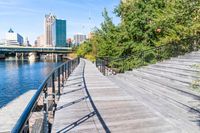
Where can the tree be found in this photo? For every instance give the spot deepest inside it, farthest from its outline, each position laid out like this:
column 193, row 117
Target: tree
column 146, row 24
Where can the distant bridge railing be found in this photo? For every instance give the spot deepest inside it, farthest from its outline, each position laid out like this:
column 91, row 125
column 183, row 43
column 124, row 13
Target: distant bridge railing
column 112, row 66
column 39, row 113
column 4, row 48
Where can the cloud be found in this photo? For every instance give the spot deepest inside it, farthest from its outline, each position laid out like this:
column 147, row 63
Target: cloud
column 80, row 24
column 81, row 4
column 13, row 7
column 16, row 10
column 7, row 2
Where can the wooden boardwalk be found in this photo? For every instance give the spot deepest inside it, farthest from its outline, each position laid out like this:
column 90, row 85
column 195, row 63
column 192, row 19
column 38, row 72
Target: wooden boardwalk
column 100, row 106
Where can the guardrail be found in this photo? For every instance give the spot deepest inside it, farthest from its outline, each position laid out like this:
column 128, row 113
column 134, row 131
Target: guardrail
column 112, row 66
column 102, row 65
column 35, row 49
column 39, row 113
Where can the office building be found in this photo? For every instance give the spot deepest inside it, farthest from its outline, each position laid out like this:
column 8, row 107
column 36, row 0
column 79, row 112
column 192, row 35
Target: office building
column 69, row 42
column 79, row 38
column 2, row 42
column 27, row 43
column 49, row 20
column 40, row 42
column 13, row 38
column 59, row 33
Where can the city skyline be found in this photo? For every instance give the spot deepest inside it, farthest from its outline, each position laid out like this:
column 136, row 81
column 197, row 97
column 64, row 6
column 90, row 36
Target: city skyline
column 81, row 15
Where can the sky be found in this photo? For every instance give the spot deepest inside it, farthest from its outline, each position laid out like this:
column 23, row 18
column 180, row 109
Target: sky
column 26, row 17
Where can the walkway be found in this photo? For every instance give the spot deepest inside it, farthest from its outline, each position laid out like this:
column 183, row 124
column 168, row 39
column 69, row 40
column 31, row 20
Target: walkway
column 101, row 106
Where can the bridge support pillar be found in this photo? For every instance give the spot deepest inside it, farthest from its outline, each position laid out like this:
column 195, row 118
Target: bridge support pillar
column 20, row 56
column 53, row 57
column 2, row 56
column 33, row 57
column 57, row 57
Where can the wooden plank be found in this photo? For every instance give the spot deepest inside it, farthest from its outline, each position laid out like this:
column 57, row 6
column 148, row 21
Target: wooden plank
column 119, row 111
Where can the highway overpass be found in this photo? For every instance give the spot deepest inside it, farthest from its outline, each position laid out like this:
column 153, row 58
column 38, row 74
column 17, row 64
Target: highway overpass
column 22, row 49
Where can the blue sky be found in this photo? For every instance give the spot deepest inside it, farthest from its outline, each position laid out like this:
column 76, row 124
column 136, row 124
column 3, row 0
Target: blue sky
column 27, row 16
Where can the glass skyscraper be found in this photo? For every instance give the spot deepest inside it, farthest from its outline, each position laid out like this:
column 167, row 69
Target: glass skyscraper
column 59, row 33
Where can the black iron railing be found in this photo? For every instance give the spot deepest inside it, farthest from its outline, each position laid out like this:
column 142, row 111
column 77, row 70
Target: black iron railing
column 112, row 66
column 38, row 115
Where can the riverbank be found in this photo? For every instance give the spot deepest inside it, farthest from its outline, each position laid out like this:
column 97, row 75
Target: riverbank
column 12, row 111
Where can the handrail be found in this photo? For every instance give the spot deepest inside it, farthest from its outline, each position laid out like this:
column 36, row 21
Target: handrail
column 104, row 62
column 63, row 71
column 126, row 56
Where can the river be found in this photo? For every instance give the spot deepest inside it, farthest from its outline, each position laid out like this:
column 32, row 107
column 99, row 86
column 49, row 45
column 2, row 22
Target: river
column 18, row 77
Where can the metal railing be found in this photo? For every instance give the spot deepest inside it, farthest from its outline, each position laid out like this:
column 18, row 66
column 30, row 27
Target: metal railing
column 112, row 66
column 102, row 65
column 39, row 113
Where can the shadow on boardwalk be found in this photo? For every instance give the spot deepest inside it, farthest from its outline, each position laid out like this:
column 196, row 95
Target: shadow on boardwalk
column 77, row 123
column 71, row 103
column 65, row 93
column 91, row 114
column 196, row 112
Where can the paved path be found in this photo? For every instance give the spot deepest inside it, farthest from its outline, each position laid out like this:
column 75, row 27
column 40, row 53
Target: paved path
column 100, row 106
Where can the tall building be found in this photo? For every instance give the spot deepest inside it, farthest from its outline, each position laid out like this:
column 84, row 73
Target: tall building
column 59, row 33
column 27, row 43
column 79, row 38
column 49, row 20
column 69, row 42
column 13, row 38
column 40, row 42
column 2, row 42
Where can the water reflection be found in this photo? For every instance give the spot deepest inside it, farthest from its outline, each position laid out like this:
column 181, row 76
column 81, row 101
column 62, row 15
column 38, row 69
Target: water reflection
column 20, row 76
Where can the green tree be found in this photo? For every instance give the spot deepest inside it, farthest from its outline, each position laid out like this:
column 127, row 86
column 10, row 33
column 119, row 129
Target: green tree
column 146, row 24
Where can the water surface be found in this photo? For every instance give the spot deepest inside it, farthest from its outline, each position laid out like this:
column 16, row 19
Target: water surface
column 18, row 77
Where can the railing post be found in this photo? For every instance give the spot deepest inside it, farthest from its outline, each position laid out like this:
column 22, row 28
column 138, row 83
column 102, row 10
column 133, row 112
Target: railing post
column 104, row 68
column 62, row 76
column 176, row 51
column 65, row 71
column 96, row 62
column 123, row 66
column 143, row 59
column 26, row 128
column 53, row 89
column 45, row 103
column 78, row 60
column 159, row 53
column 73, row 65
column 59, row 81
column 68, row 69
column 101, row 66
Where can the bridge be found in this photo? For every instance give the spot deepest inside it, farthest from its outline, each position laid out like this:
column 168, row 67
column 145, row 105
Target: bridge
column 21, row 49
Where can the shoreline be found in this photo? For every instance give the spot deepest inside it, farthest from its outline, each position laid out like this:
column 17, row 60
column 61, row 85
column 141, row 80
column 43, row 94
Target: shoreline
column 11, row 112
